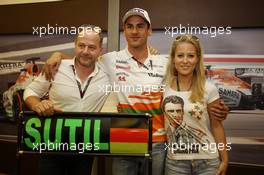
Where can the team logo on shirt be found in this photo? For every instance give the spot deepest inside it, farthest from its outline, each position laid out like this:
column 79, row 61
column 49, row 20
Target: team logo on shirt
column 155, row 75
column 127, row 68
column 155, row 65
column 121, row 62
column 121, row 78
column 122, row 73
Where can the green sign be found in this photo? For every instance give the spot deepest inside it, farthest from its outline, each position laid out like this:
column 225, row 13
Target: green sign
column 66, row 134
column 85, row 133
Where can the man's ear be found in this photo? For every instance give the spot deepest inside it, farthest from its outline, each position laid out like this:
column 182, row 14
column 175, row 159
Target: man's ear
column 101, row 51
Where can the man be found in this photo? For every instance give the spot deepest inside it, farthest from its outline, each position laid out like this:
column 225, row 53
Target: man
column 136, row 67
column 74, row 89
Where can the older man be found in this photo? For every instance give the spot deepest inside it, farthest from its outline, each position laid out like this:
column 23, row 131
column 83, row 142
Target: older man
column 75, row 89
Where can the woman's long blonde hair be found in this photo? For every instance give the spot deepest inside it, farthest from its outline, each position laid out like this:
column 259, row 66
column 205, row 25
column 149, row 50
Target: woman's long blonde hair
column 198, row 81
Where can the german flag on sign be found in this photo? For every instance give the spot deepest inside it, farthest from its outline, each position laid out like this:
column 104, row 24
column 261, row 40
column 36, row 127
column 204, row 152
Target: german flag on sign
column 129, row 140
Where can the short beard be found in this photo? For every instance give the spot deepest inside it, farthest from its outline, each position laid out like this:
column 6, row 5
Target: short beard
column 91, row 64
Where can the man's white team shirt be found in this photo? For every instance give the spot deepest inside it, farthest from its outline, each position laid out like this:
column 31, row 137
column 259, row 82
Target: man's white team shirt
column 64, row 91
column 138, row 87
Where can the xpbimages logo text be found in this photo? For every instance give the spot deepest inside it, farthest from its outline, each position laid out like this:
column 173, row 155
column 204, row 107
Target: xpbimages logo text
column 138, row 88
column 79, row 147
column 62, row 30
column 211, row 31
column 196, row 147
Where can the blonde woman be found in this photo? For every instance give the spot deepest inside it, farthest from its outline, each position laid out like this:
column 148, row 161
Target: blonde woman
column 194, row 147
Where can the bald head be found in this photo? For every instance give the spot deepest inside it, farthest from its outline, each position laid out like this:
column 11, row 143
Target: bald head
column 87, row 30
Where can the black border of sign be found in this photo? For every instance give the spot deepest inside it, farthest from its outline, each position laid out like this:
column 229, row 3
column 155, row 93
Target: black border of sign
column 147, row 116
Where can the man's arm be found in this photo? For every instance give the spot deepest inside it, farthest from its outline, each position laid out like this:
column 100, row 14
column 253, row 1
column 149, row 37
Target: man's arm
column 153, row 50
column 220, row 138
column 218, row 110
column 52, row 65
column 32, row 94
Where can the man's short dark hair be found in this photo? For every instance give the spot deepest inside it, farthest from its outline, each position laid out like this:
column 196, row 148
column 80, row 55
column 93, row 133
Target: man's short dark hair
column 172, row 99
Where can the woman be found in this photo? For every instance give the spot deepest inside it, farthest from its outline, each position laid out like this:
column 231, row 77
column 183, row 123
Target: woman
column 193, row 149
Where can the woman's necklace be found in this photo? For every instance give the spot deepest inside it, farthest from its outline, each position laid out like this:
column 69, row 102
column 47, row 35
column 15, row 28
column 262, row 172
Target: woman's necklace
column 178, row 85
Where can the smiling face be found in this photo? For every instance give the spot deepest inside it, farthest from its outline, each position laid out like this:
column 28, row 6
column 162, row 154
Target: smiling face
column 185, row 59
column 136, row 31
column 87, row 48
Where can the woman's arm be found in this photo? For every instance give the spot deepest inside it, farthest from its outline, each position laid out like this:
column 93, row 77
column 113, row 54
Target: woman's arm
column 220, row 138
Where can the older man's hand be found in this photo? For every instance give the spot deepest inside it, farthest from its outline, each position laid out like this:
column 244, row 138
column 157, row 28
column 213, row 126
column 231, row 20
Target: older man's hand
column 45, row 108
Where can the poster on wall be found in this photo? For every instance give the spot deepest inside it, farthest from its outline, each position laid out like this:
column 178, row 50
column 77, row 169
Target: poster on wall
column 241, row 88
column 7, row 67
column 15, row 75
column 239, row 79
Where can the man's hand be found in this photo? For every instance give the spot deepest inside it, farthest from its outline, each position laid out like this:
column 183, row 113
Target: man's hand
column 52, row 65
column 152, row 50
column 44, row 108
column 219, row 110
